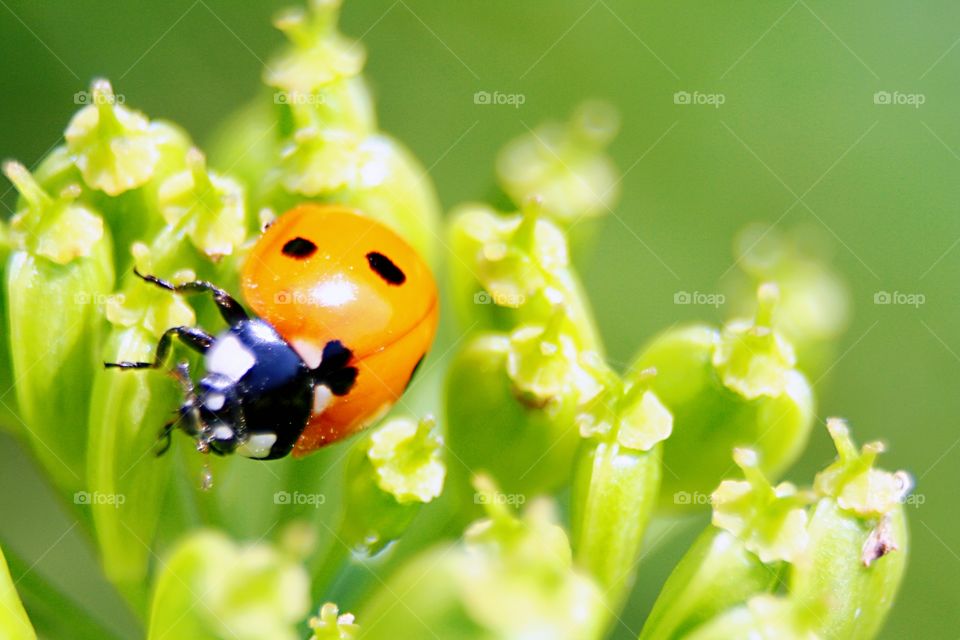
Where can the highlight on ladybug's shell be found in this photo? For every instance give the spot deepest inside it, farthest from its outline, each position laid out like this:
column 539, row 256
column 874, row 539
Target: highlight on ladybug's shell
column 341, row 313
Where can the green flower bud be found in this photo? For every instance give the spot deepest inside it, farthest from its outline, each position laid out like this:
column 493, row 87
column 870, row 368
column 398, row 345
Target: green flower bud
column 763, row 617
column 617, row 480
column 771, row 521
column 128, row 167
column 57, row 278
column 857, row 552
column 517, row 421
column 392, row 473
column 545, row 364
column 247, row 144
column 332, row 625
column 510, row 578
column 374, row 174
column 9, row 419
column 716, row 573
column 14, row 623
column 111, row 145
column 565, row 165
column 212, row 588
column 208, row 206
column 815, row 307
column 756, row 527
column 124, row 433
column 326, row 147
column 320, row 69
column 732, row 388
column 509, row 270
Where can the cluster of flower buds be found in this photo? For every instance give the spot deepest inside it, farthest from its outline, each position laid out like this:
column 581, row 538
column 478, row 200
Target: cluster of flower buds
column 126, row 192
column 392, row 473
column 510, row 577
column 814, row 309
column 315, row 137
column 783, row 562
column 527, row 357
column 210, row 587
column 122, row 191
column 531, row 409
column 565, row 166
column 732, row 387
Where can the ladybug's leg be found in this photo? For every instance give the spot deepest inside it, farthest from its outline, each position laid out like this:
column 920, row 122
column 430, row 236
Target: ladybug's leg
column 197, row 339
column 165, row 438
column 229, row 308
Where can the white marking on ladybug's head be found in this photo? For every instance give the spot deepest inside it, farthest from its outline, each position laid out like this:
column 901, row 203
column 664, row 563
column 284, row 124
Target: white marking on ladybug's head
column 229, row 357
column 321, row 398
column 214, row 401
column 222, row 432
column 257, row 445
column 309, row 351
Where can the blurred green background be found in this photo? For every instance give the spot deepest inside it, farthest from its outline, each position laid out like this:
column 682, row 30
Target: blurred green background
column 798, row 140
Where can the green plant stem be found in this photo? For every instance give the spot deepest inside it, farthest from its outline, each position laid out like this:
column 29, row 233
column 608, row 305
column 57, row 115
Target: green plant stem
column 326, row 569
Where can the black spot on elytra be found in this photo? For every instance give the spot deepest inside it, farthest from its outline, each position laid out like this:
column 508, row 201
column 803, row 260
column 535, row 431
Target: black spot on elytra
column 333, row 370
column 414, row 372
column 385, row 268
column 299, row 248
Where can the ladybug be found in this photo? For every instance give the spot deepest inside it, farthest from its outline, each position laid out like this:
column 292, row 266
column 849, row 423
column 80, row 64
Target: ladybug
column 343, row 312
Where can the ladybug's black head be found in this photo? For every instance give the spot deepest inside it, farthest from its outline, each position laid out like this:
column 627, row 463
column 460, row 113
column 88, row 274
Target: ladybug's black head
column 213, row 413
column 255, row 398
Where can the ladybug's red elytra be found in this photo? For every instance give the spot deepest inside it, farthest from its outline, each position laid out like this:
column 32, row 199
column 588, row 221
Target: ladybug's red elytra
column 344, row 311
